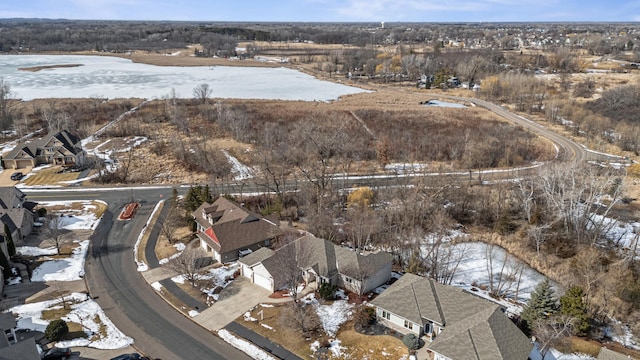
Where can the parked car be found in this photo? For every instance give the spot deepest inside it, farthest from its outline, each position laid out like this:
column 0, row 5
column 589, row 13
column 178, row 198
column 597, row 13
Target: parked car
column 56, row 354
column 133, row 356
column 17, row 176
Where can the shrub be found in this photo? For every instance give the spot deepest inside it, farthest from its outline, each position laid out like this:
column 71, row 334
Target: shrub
column 327, row 291
column 56, row 330
column 365, row 316
column 411, row 341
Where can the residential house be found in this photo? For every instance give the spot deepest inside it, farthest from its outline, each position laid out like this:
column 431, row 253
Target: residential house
column 10, row 347
column 228, row 230
column 16, row 216
column 455, row 324
column 16, row 212
column 61, row 148
column 320, row 262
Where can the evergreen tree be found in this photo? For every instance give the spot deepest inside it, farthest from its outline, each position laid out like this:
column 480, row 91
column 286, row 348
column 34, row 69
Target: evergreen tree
column 196, row 196
column 573, row 303
column 542, row 304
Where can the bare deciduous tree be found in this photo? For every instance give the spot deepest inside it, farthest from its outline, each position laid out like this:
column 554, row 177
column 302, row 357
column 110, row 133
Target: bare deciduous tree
column 54, row 231
column 551, row 332
column 202, row 92
column 170, row 221
column 188, row 264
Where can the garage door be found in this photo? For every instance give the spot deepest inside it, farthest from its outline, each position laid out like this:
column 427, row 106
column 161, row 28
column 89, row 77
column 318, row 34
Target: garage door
column 21, row 164
column 262, row 281
column 246, row 271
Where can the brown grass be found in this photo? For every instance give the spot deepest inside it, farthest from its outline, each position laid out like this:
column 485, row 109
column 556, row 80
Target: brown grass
column 367, row 346
column 358, row 346
column 49, row 176
column 287, row 337
column 164, row 249
column 47, row 67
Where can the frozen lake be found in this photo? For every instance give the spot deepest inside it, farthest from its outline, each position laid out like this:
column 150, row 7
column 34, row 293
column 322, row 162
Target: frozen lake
column 113, row 77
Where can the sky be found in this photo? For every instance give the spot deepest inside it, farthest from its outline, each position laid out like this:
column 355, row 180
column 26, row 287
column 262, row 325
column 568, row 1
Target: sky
column 327, row 10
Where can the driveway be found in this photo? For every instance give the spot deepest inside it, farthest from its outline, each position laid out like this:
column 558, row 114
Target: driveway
column 236, row 299
column 5, row 176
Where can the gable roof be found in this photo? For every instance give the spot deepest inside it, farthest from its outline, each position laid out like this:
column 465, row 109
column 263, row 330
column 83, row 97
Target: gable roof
column 8, row 194
column 420, row 299
column 228, row 226
column 257, row 256
column 487, row 335
column 69, row 142
column 327, row 259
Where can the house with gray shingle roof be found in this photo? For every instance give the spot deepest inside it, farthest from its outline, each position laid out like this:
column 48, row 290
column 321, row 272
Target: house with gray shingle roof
column 61, row 148
column 322, row 262
column 455, row 323
column 16, row 216
column 228, row 230
column 10, row 346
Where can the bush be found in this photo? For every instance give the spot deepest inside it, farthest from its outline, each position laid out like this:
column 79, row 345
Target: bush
column 411, row 341
column 364, row 317
column 327, row 291
column 56, row 330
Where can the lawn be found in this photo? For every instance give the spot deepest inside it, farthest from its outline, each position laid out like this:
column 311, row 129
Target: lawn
column 49, row 175
column 266, row 320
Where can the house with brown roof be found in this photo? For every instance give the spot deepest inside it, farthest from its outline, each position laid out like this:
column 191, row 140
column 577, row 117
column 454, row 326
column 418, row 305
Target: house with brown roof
column 321, row 262
column 229, row 231
column 454, row 323
column 61, row 148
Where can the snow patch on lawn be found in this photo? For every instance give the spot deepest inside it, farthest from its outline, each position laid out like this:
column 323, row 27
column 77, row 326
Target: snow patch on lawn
column 74, row 219
column 244, row 346
column 179, row 247
column 100, row 335
column 36, row 251
column 67, row 269
column 156, row 286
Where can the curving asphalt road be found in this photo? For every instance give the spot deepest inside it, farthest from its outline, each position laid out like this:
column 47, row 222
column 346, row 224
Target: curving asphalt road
column 159, row 330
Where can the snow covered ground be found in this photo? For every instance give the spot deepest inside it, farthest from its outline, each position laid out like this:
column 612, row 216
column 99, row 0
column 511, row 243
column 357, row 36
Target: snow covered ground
column 473, row 268
column 219, row 277
column 65, row 269
column 239, row 170
column 113, row 77
column 75, row 218
column 100, row 333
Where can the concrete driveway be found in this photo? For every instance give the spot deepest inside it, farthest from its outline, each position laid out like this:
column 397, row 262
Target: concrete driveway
column 5, row 176
column 236, row 299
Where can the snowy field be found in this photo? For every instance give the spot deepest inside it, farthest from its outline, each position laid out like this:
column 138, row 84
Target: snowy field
column 473, row 269
column 112, row 77
column 100, row 332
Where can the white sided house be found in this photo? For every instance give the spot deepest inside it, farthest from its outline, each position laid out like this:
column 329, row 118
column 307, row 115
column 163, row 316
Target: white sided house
column 454, row 324
column 320, row 262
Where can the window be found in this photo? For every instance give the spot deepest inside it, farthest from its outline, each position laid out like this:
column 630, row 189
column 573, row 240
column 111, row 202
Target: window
column 386, row 315
column 267, row 242
column 408, row 324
